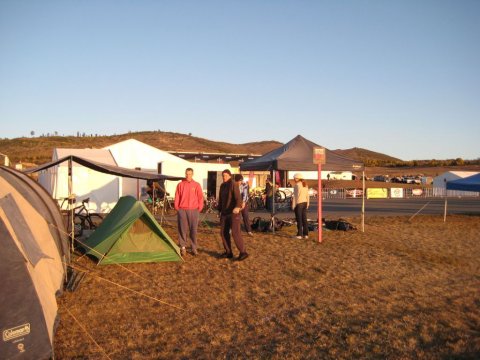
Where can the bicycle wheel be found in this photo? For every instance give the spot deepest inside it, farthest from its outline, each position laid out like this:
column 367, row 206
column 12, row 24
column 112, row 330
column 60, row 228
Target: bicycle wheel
column 79, row 224
column 92, row 221
column 280, row 196
column 212, row 207
column 252, row 204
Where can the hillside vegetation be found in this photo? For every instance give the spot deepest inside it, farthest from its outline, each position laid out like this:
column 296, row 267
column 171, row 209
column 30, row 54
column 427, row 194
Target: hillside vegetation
column 366, row 155
column 38, row 150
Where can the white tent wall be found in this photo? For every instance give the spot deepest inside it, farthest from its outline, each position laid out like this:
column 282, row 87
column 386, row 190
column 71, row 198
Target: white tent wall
column 133, row 154
column 48, row 179
column 102, row 189
column 132, row 187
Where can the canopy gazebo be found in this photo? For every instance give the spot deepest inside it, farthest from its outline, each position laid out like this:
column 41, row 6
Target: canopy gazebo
column 470, row 183
column 297, row 155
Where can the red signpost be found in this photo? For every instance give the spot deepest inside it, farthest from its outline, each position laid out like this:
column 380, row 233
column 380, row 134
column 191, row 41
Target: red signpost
column 319, row 158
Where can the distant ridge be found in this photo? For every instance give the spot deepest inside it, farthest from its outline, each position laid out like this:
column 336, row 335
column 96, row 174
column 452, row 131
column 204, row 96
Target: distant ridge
column 38, row 150
column 366, row 155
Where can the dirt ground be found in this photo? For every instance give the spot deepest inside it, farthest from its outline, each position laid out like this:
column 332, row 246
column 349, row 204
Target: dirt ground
column 400, row 290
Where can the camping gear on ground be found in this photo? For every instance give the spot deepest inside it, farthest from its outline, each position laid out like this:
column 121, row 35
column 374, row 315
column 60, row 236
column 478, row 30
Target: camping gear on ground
column 130, row 234
column 33, row 257
column 339, row 224
column 266, row 225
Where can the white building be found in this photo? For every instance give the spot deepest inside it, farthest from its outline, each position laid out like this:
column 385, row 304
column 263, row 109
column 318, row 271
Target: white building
column 4, row 160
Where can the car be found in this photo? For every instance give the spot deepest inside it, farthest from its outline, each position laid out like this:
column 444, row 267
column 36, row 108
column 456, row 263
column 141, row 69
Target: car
column 409, row 180
column 382, row 178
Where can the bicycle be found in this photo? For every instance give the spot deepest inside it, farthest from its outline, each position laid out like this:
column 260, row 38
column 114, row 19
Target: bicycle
column 83, row 219
column 210, row 205
column 256, row 200
column 164, row 205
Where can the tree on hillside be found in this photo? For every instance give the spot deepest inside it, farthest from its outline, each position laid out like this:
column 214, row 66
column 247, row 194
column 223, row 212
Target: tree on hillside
column 32, row 133
column 459, row 162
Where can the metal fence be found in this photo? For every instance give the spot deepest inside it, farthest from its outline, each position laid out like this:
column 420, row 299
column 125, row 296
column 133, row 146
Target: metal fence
column 405, row 193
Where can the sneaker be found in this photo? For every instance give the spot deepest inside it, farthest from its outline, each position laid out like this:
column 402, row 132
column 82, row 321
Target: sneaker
column 183, row 251
column 242, row 256
column 298, row 237
column 250, row 233
column 195, row 252
column 228, row 255
column 306, row 237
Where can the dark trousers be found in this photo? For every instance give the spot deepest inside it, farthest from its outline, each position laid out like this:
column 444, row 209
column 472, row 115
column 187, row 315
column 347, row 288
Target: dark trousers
column 269, row 203
column 227, row 223
column 187, row 221
column 246, row 220
column 301, row 217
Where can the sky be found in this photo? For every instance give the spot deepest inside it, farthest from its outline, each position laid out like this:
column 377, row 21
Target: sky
column 397, row 77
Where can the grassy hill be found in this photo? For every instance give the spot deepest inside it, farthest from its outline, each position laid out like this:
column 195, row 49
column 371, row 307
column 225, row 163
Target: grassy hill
column 366, row 155
column 38, row 150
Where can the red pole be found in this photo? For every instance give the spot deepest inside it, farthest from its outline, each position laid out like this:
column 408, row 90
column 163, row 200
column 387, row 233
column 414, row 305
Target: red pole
column 319, row 196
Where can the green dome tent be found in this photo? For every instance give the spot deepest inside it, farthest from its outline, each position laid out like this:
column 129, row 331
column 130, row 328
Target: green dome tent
column 131, row 234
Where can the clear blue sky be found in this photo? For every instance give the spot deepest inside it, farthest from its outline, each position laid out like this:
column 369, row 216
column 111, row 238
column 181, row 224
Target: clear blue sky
column 397, row 77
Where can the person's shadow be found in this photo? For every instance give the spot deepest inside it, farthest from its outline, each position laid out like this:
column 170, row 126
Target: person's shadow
column 214, row 254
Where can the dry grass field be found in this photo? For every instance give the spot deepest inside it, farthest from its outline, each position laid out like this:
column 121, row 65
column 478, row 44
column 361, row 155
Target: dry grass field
column 401, row 290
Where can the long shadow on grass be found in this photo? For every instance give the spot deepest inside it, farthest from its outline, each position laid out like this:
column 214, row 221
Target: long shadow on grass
column 214, row 254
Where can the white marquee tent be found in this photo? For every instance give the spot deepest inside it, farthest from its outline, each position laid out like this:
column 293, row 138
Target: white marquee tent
column 133, row 154
column 104, row 190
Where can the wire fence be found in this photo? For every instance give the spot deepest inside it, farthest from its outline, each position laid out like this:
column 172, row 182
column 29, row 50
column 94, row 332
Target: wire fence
column 397, row 193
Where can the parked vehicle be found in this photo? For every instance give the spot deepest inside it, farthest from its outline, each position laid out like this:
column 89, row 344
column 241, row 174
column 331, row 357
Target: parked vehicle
column 409, row 180
column 382, row 178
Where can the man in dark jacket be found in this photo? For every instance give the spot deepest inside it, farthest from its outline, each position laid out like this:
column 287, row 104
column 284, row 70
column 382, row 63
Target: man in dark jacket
column 229, row 206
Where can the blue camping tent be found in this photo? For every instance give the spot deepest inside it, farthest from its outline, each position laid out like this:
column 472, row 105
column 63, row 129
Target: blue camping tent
column 471, row 183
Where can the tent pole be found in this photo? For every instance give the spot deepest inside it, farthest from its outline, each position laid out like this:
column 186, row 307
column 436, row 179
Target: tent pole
column 363, row 201
column 273, row 201
column 154, row 209
column 319, row 207
column 445, row 208
column 70, row 203
column 162, row 211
